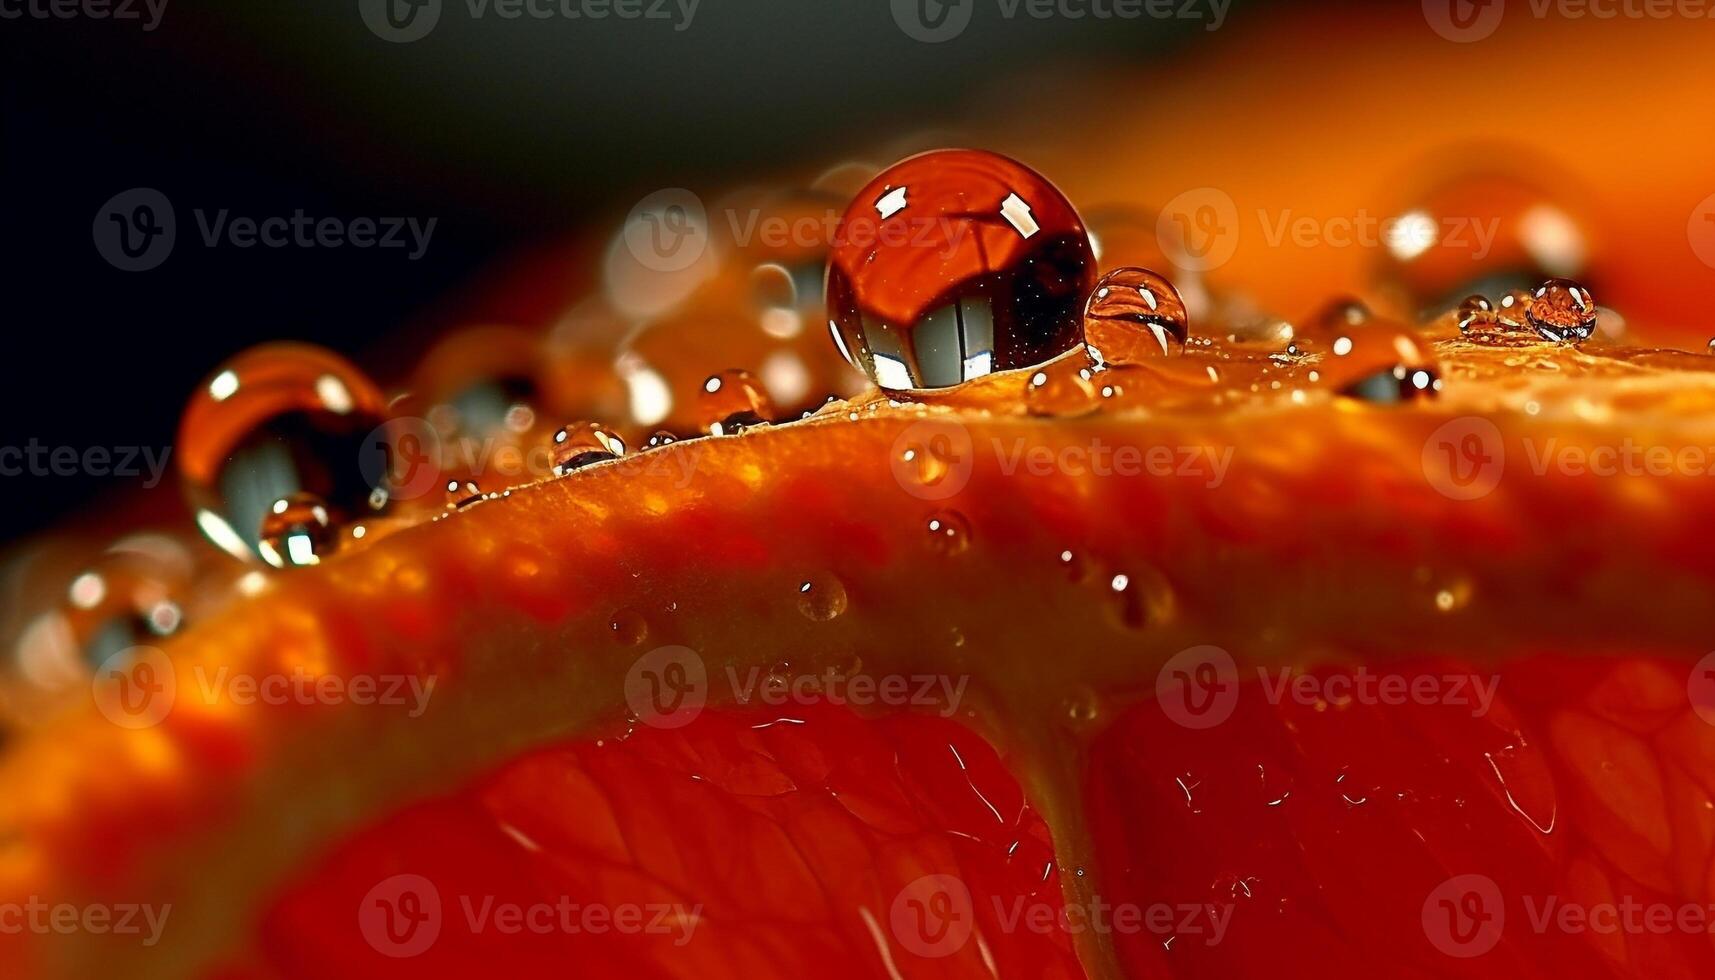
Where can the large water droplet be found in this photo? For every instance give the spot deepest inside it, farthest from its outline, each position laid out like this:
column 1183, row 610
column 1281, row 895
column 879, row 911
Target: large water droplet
column 582, row 443
column 955, row 263
column 1562, row 311
column 1135, row 315
column 274, row 421
column 732, row 400
column 821, row 597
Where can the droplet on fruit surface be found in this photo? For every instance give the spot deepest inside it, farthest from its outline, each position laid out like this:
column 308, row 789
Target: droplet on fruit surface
column 949, row 533
column 583, row 443
column 296, row 532
column 463, row 494
column 276, row 420
column 1063, row 389
column 732, row 400
column 1562, row 311
column 1379, row 363
column 1474, row 311
column 953, row 264
column 821, row 597
column 1135, row 315
column 629, row 628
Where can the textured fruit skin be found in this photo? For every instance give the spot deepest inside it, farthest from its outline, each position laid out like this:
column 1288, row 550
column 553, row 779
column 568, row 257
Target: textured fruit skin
column 1286, row 559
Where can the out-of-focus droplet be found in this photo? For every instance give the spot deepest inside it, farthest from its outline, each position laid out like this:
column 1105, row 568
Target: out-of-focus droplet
column 1339, row 315
column 1135, row 315
column 276, row 420
column 953, row 264
column 659, row 439
column 582, row 443
column 1379, row 363
column 1076, row 566
column 1562, row 311
column 821, row 597
column 1139, row 598
column 1484, row 232
column 949, row 533
column 296, row 532
column 1063, row 389
column 732, row 400
column 629, row 627
column 483, row 381
column 1082, row 708
column 774, row 294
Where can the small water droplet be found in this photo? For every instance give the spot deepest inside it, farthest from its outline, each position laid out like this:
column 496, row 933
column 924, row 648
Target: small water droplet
column 949, row 533
column 461, row 495
column 1060, row 391
column 1562, row 311
column 1140, row 599
column 1081, row 707
column 731, row 401
column 296, row 532
column 629, row 627
column 659, row 439
column 1473, row 311
column 1135, row 315
column 821, row 597
column 583, row 443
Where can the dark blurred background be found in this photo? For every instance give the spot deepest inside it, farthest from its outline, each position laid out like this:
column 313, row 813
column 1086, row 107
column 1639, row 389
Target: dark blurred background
column 508, row 132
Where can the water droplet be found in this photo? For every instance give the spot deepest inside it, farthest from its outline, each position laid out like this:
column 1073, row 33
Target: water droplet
column 1339, row 316
column 731, row 401
column 1483, row 232
column 1562, row 311
column 1078, row 569
column 955, row 263
column 1082, row 707
column 1474, row 312
column 297, row 531
column 949, row 533
column 1135, row 315
column 1138, row 599
column 482, row 381
column 276, row 420
column 1380, row 363
column 821, row 597
column 583, row 443
column 1061, row 390
column 461, row 495
column 659, row 439
column 629, row 627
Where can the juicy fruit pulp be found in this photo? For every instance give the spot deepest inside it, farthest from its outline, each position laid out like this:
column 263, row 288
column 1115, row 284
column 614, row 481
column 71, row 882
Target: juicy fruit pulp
column 1284, row 829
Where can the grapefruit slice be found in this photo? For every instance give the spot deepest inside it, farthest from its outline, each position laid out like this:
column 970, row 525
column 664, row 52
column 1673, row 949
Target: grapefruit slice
column 1208, row 682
